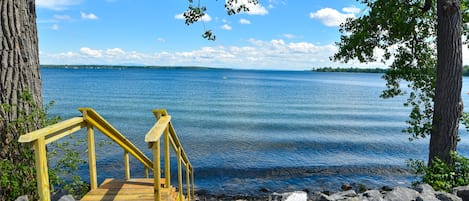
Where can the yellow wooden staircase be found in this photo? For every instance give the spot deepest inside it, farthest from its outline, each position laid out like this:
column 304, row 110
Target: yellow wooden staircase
column 156, row 188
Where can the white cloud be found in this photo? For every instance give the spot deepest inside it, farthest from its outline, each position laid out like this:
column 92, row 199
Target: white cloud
column 226, row 27
column 88, row 16
column 259, row 54
column 114, row 52
column 161, row 40
column 62, row 17
column 55, row 27
column 91, row 52
column 289, row 36
column 244, row 21
column 254, row 9
column 205, row 18
column 179, row 16
column 330, row 17
column 57, row 4
column 351, row 9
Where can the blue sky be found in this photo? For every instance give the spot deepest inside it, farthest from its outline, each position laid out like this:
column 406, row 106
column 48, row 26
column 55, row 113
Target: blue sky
column 275, row 34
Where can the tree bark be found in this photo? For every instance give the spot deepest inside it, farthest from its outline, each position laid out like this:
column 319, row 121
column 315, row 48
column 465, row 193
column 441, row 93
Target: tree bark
column 447, row 100
column 19, row 73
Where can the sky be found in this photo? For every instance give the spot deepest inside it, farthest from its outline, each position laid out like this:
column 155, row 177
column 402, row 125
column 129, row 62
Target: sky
column 274, row 34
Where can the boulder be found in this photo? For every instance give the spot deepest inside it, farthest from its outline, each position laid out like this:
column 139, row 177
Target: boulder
column 447, row 197
column 318, row 196
column 373, row 195
column 346, row 187
column 427, row 197
column 401, row 194
column 343, row 195
column 296, row 196
column 462, row 192
column 424, row 188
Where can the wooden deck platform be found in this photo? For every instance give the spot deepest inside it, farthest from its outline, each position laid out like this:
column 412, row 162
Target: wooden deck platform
column 133, row 189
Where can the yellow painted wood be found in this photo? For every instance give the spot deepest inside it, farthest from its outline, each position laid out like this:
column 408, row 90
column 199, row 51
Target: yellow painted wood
column 67, row 131
column 146, row 173
column 167, row 164
column 92, row 120
column 181, row 154
column 193, row 183
column 157, row 130
column 188, row 184
column 174, row 136
column 127, row 165
column 157, row 169
column 107, row 129
column 43, row 132
column 41, row 169
column 92, row 158
column 179, row 172
column 133, row 189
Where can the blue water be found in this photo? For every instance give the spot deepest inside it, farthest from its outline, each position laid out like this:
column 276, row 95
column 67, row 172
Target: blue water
column 246, row 130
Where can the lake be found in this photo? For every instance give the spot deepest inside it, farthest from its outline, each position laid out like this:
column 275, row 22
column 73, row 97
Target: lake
column 247, row 130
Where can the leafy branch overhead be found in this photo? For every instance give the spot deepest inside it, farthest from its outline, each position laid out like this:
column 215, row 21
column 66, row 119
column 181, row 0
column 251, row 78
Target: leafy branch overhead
column 194, row 13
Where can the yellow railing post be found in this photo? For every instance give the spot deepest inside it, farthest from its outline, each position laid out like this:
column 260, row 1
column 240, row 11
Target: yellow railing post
column 127, row 165
column 146, row 173
column 167, row 165
column 188, row 184
column 41, row 169
column 92, row 157
column 179, row 173
column 157, row 169
column 193, row 182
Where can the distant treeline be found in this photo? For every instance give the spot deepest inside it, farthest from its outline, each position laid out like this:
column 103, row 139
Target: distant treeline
column 124, row 66
column 465, row 71
column 350, row 70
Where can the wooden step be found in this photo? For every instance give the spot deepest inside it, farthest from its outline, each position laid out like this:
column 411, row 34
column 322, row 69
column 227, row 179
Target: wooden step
column 133, row 189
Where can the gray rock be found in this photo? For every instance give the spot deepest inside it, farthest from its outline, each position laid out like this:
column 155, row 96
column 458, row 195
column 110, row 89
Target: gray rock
column 322, row 197
column 427, row 197
column 425, row 188
column 353, row 199
column 447, row 197
column 373, row 195
column 462, row 192
column 22, row 198
column 401, row 194
column 343, row 195
column 67, row 198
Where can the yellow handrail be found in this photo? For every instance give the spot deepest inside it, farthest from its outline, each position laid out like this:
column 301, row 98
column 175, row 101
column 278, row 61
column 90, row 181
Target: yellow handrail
column 91, row 119
column 153, row 137
column 107, row 129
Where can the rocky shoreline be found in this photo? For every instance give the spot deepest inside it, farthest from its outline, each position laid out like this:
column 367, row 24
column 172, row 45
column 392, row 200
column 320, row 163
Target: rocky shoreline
column 422, row 192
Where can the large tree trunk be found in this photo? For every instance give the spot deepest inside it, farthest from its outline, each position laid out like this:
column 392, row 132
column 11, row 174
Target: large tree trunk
column 19, row 73
column 448, row 105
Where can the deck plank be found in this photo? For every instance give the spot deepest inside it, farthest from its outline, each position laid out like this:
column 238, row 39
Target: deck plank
column 133, row 189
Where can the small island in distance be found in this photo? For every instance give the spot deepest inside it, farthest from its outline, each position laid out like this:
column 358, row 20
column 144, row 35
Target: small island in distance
column 350, row 70
column 465, row 71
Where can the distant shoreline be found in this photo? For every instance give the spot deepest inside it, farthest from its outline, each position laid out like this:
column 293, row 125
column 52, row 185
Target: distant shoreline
column 350, row 70
column 130, row 67
column 321, row 69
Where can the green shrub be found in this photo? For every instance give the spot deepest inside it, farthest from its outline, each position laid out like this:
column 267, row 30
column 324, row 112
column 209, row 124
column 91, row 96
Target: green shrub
column 441, row 176
column 18, row 174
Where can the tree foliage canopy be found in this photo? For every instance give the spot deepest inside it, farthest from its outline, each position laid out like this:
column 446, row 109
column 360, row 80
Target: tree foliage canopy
column 196, row 11
column 405, row 32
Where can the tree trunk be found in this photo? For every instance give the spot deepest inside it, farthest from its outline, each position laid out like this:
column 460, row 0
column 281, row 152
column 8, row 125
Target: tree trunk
column 447, row 101
column 19, row 73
